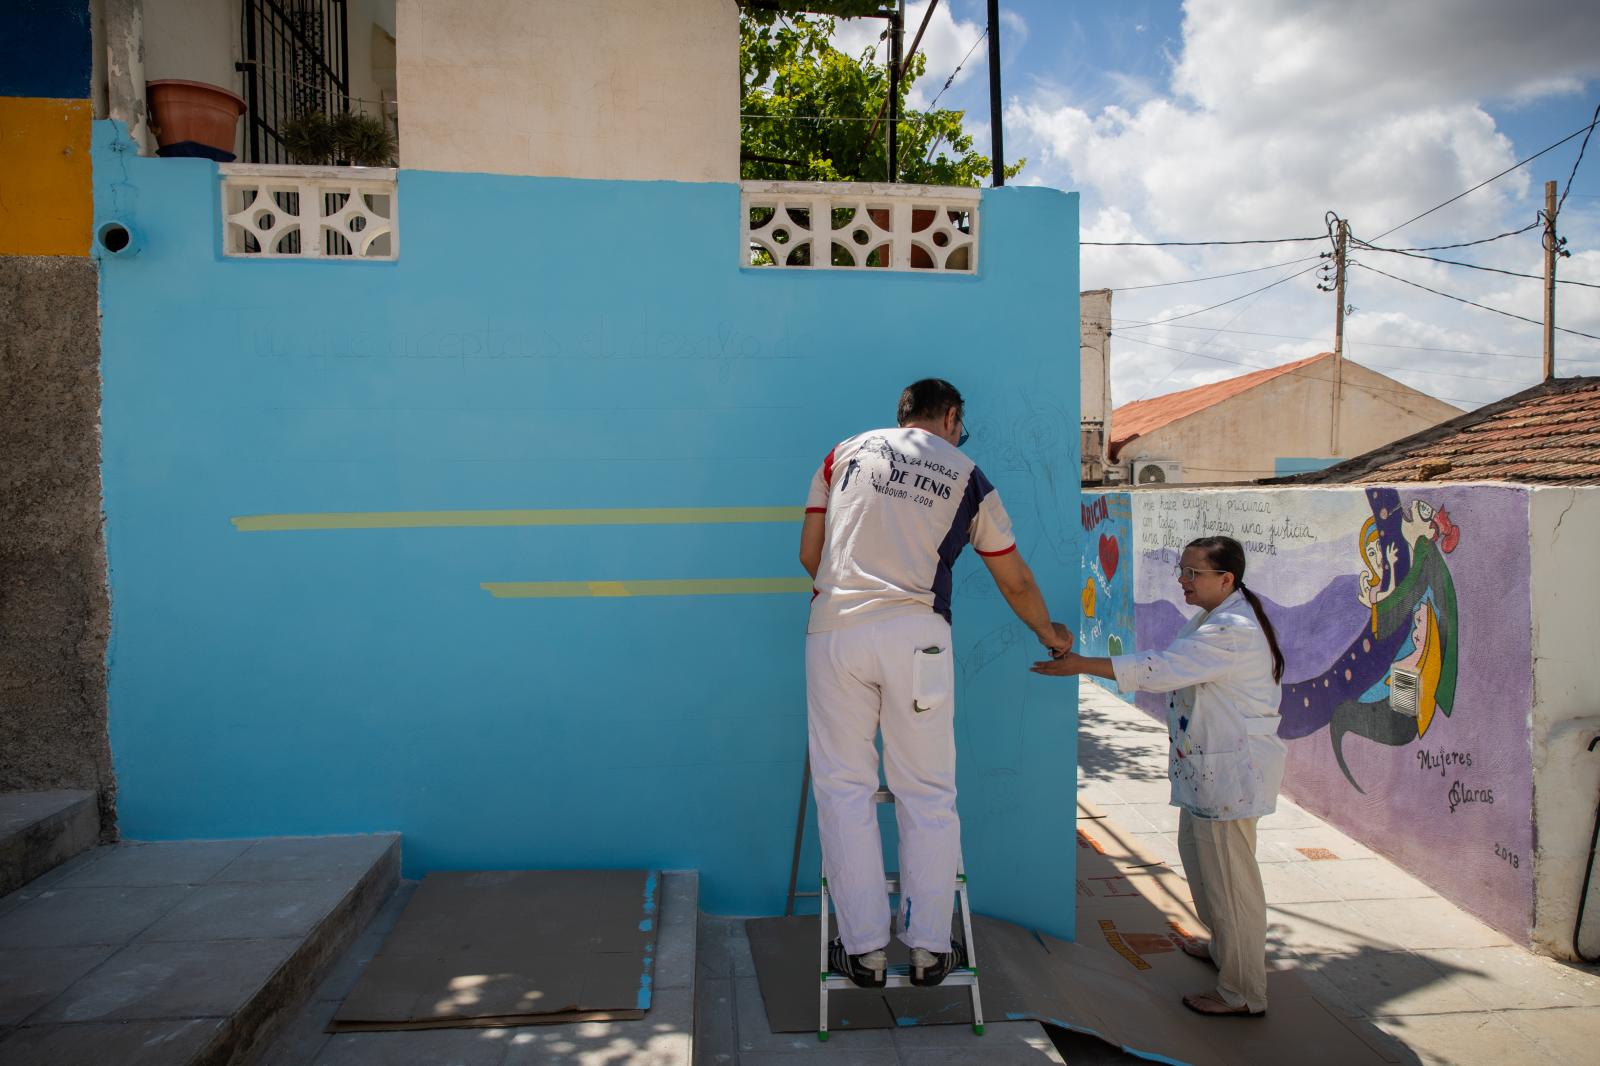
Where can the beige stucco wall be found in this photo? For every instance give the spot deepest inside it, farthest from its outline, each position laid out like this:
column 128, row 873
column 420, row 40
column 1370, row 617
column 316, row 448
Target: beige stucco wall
column 201, row 40
column 630, row 89
column 1240, row 438
column 1564, row 530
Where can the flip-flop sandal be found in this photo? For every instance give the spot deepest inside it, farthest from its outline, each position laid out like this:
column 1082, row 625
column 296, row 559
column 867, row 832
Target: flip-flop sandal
column 1213, row 1007
column 1197, row 949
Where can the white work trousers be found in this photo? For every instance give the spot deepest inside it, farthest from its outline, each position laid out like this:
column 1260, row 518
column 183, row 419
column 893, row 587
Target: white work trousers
column 896, row 675
column 1219, row 859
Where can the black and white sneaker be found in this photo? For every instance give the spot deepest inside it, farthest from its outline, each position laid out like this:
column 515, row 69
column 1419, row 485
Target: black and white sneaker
column 929, row 968
column 867, row 970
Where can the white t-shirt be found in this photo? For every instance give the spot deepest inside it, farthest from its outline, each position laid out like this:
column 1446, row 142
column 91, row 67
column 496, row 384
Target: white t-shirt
column 900, row 504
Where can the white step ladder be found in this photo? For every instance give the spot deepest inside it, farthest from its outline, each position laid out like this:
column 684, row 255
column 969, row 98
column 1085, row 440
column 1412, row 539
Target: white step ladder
column 899, row 976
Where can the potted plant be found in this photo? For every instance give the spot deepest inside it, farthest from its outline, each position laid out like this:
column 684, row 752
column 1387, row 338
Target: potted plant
column 346, row 138
column 191, row 118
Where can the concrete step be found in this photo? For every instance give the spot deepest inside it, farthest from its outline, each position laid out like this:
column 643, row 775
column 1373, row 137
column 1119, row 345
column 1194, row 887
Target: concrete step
column 188, row 953
column 41, row 830
column 663, row 1037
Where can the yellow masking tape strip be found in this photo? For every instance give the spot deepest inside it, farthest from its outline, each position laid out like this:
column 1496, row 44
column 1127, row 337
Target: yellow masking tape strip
column 579, row 516
column 714, row 586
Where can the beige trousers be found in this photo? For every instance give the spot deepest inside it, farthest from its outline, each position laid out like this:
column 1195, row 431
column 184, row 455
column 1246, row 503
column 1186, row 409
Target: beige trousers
column 1219, row 858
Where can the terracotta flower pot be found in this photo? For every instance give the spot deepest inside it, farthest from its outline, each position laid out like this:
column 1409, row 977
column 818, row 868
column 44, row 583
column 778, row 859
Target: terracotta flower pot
column 192, row 112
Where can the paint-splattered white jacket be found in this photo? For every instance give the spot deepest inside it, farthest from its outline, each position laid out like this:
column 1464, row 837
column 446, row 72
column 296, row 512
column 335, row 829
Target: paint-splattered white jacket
column 1225, row 758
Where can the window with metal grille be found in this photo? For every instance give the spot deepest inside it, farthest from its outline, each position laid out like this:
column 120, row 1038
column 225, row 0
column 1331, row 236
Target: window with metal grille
column 296, row 60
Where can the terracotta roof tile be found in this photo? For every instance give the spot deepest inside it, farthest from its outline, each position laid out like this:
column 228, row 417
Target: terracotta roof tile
column 1549, row 434
column 1139, row 417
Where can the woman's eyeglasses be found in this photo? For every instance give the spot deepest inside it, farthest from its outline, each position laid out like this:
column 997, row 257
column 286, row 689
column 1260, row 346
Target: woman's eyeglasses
column 1186, row 573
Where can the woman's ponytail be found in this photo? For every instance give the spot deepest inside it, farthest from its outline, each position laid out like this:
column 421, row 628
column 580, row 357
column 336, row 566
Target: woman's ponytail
column 1227, row 554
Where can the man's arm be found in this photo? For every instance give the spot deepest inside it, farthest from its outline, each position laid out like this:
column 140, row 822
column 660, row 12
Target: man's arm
column 1015, row 581
column 1072, row 663
column 811, row 536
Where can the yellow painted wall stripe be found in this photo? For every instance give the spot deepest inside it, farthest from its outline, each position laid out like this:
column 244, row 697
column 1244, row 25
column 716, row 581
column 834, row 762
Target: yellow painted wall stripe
column 717, row 586
column 576, row 516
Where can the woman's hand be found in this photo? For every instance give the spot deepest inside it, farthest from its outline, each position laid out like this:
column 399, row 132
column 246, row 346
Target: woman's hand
column 1073, row 663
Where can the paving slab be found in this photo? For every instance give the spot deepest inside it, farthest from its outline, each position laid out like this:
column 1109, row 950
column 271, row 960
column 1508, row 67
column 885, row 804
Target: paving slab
column 183, row 862
column 32, row 977
column 1357, row 879
column 1390, row 983
column 306, row 858
column 1480, row 1039
column 123, row 967
column 146, row 1043
column 187, row 980
column 72, row 917
column 41, row 830
column 1566, row 1034
column 248, row 910
column 1515, row 979
column 1427, row 923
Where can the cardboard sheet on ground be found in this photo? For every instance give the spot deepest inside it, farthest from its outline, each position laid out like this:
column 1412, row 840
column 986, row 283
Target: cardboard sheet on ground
column 1122, row 980
column 520, row 947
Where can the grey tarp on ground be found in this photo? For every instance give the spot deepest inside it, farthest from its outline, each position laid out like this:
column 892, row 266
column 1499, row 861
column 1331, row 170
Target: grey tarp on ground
column 515, row 947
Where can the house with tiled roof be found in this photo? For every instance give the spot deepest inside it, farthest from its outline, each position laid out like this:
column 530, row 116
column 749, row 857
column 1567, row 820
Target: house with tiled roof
column 1273, row 422
column 1547, row 435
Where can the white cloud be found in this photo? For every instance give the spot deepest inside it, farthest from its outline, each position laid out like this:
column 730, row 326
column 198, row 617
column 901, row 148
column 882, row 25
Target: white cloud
column 946, row 42
column 1280, row 110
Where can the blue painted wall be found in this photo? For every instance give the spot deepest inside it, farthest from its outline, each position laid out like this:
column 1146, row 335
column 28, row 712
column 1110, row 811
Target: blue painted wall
column 1285, row 466
column 548, row 343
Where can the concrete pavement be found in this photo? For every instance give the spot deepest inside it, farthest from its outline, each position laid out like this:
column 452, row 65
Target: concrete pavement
column 1370, row 939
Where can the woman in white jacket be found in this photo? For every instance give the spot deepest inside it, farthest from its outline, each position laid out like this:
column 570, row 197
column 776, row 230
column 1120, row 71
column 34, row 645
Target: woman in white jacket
column 1225, row 759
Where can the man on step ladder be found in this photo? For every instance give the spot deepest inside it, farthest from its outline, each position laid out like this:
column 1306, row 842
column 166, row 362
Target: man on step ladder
column 888, row 513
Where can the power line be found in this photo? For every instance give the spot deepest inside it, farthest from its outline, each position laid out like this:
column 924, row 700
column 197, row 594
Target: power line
column 1470, row 266
column 1194, row 244
column 1213, row 277
column 951, row 80
column 1174, row 368
column 1369, row 344
column 1578, row 160
column 1497, row 177
column 1225, row 303
column 1535, row 224
column 1473, row 303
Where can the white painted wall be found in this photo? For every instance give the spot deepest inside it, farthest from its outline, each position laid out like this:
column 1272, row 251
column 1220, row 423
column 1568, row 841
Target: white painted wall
column 1564, row 530
column 628, row 89
column 1240, row 438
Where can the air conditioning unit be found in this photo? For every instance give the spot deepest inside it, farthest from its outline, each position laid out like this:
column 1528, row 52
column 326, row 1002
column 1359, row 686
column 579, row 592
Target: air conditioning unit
column 1155, row 472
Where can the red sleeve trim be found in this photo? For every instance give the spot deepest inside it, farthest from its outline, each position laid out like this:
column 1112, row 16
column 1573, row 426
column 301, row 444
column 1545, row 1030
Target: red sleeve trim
column 816, row 510
column 827, row 470
column 1002, row 551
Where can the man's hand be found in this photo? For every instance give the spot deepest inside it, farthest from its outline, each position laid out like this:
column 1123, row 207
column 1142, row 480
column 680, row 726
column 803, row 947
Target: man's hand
column 1059, row 642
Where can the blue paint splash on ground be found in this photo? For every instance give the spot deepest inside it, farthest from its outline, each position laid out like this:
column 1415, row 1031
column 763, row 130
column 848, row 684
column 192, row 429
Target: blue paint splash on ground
column 646, row 925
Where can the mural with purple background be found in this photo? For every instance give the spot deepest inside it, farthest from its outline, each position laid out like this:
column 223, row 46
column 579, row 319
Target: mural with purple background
column 1403, row 615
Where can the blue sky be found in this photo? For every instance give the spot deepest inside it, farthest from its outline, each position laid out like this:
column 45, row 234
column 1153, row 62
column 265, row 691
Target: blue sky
column 1219, row 119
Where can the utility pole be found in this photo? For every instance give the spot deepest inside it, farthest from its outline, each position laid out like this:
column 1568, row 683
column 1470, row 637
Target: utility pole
column 1340, row 245
column 995, row 102
column 897, row 38
column 1550, row 250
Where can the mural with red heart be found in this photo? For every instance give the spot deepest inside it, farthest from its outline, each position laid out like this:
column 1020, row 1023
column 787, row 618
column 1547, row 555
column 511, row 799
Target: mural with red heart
column 1110, row 554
